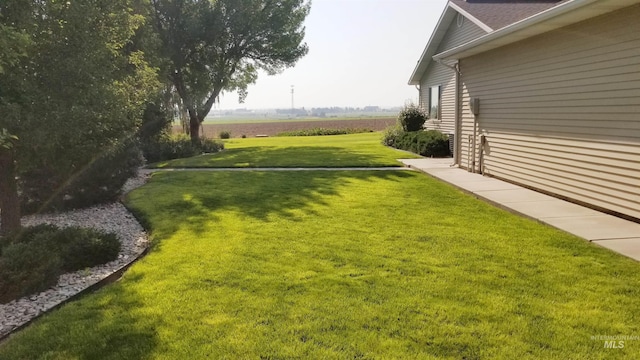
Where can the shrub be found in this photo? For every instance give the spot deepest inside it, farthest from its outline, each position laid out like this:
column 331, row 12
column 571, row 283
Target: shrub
column 391, row 135
column 429, row 143
column 244, row 136
column 81, row 248
column 102, row 180
column 210, row 146
column 167, row 148
column 177, row 146
column 412, row 117
column 27, row 268
column 29, row 233
column 36, row 256
column 323, row 131
column 225, row 135
column 44, row 188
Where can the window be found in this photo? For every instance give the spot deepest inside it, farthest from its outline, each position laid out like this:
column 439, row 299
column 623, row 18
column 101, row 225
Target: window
column 434, row 102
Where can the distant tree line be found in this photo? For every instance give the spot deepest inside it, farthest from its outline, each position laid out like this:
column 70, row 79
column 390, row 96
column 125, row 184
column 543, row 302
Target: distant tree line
column 323, row 111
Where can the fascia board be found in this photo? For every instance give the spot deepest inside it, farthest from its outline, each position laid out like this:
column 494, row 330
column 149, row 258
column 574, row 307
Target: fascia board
column 480, row 24
column 436, row 36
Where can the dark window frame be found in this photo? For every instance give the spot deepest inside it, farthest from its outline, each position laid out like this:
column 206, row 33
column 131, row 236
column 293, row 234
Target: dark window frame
column 438, row 110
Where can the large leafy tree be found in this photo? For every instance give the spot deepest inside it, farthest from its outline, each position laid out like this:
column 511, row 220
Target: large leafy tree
column 72, row 93
column 13, row 47
column 219, row 45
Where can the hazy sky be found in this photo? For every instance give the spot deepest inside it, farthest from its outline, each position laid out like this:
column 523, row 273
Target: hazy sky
column 361, row 52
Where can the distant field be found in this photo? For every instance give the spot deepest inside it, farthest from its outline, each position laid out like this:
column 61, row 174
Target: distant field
column 260, row 118
column 254, row 127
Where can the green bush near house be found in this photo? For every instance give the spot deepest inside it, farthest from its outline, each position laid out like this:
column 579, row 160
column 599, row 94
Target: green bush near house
column 412, row 117
column 429, row 143
column 391, row 135
column 408, row 134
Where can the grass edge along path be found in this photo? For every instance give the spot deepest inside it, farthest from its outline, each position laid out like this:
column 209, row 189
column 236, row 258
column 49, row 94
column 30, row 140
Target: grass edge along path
column 344, row 265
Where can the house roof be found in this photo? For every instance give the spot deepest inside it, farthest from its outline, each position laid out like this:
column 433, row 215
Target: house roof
column 448, row 14
column 564, row 14
column 489, row 15
column 508, row 21
column 497, row 14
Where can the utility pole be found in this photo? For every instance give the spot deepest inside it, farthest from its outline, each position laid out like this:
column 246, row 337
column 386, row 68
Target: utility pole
column 292, row 107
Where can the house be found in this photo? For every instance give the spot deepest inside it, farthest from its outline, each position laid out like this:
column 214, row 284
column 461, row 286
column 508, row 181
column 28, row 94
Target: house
column 541, row 93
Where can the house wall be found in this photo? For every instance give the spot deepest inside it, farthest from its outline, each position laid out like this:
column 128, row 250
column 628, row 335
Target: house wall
column 443, row 76
column 458, row 35
column 438, row 74
column 561, row 111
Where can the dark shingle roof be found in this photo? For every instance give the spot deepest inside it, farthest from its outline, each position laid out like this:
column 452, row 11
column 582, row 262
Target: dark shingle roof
column 499, row 13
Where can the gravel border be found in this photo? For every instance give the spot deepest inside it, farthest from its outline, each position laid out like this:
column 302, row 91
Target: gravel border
column 113, row 218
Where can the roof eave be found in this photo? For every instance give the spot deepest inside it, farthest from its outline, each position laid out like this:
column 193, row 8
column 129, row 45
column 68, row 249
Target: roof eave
column 437, row 35
column 562, row 15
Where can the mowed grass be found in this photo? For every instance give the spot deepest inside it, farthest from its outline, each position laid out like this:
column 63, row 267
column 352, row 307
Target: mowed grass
column 354, row 150
column 343, row 265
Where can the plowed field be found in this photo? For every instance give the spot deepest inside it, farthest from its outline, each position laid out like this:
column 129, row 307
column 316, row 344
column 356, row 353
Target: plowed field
column 274, row 128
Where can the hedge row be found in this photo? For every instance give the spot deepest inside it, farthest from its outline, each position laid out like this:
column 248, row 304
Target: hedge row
column 429, row 143
column 324, row 131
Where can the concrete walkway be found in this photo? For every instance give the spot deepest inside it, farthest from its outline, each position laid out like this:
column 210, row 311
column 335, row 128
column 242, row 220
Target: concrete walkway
column 608, row 231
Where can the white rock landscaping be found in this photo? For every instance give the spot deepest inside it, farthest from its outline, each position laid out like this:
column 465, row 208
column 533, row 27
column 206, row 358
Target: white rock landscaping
column 112, row 218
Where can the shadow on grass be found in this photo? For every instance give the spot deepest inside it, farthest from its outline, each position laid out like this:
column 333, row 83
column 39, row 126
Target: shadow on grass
column 106, row 324
column 194, row 200
column 296, row 156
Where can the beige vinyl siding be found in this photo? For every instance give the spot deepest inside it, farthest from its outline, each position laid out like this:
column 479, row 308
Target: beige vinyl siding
column 466, row 145
column 561, row 111
column 441, row 75
column 458, row 35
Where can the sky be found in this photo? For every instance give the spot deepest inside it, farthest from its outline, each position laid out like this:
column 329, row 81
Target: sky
column 361, row 53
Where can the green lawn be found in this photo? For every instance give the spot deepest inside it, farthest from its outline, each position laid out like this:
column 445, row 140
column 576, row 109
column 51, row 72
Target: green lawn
column 356, row 150
column 342, row 265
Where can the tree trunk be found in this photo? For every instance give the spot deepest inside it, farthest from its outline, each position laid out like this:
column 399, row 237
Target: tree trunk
column 9, row 201
column 194, row 127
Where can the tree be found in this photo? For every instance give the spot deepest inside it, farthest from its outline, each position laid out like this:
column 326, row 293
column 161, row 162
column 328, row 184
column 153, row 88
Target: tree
column 216, row 46
column 8, row 188
column 74, row 96
column 13, row 44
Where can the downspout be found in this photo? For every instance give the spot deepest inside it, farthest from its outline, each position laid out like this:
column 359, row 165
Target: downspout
column 473, row 144
column 419, row 95
column 483, row 142
column 456, row 115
